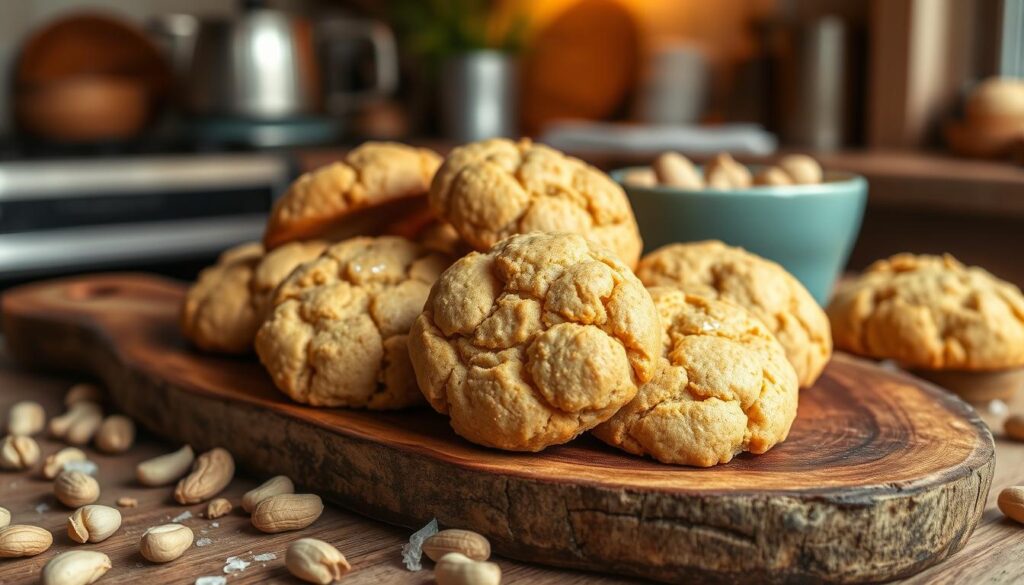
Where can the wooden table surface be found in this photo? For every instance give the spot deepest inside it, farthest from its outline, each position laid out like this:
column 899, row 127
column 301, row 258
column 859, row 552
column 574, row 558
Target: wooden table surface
column 991, row 556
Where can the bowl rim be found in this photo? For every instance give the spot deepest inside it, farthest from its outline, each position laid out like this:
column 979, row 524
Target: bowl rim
column 838, row 183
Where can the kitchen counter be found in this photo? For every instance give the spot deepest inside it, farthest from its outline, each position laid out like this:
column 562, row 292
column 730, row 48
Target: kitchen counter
column 373, row 548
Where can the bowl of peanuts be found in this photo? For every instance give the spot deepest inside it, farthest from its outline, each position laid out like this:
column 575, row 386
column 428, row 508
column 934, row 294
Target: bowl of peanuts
column 793, row 212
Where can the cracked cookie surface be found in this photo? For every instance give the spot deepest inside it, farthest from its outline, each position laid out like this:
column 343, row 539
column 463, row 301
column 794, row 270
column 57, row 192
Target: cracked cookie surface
column 493, row 189
column 723, row 386
column 764, row 288
column 930, row 312
column 226, row 305
column 336, row 334
column 374, row 175
column 535, row 341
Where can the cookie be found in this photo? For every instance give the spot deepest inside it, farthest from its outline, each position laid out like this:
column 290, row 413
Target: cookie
column 374, row 183
column 764, row 288
column 535, row 341
column 493, row 189
column 223, row 310
column 930, row 312
column 336, row 333
column 723, row 387
column 217, row 314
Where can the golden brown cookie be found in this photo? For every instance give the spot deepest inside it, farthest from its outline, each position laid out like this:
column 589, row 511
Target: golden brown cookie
column 534, row 342
column 492, row 189
column 336, row 335
column 724, row 386
column 366, row 190
column 764, row 288
column 223, row 309
column 930, row 312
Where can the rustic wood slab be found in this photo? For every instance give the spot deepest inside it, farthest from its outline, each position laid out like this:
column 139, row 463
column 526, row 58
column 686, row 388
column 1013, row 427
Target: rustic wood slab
column 882, row 476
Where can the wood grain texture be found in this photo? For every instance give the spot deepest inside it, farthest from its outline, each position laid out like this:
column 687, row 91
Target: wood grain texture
column 882, row 476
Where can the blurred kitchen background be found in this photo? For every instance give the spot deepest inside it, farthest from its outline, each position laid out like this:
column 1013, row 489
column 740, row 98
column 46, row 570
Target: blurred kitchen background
column 151, row 134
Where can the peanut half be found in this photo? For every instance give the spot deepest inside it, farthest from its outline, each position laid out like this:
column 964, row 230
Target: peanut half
column 5, row 517
column 675, row 170
column 54, row 463
column 76, row 567
column 26, row 418
column 165, row 469
column 802, row 169
column 274, row 486
column 467, row 542
column 1011, row 503
column 315, row 561
column 211, row 473
column 18, row 452
column 218, row 507
column 458, row 569
column 21, row 540
column 75, row 489
column 93, row 523
column 84, row 391
column 285, row 512
column 116, row 434
column 164, row 543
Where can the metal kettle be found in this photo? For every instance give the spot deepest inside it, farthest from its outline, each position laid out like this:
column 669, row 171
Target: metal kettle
column 270, row 65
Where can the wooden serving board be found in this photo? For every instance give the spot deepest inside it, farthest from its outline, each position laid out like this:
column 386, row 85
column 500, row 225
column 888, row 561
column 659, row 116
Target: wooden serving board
column 882, row 476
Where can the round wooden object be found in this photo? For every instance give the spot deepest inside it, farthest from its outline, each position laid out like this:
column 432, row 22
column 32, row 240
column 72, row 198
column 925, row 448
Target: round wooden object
column 882, row 475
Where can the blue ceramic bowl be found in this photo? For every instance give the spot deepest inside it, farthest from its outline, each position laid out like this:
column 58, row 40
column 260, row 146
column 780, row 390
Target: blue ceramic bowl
column 809, row 229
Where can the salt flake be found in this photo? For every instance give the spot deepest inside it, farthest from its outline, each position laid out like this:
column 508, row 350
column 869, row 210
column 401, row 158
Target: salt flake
column 264, row 557
column 235, row 565
column 42, row 508
column 212, row 580
column 182, row 517
column 412, row 552
column 215, row 524
column 84, row 466
column 204, row 541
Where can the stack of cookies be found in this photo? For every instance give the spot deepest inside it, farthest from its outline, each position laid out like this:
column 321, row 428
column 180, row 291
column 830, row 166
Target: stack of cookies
column 498, row 286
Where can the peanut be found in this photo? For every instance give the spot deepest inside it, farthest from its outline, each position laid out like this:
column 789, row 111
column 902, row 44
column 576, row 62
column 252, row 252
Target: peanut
column 5, row 517
column 723, row 172
column 773, row 177
column 21, row 540
column 93, row 523
column 315, row 561
column 802, row 169
column 467, row 542
column 127, row 502
column 116, row 434
column 276, row 485
column 165, row 469
column 285, row 512
column 1011, row 503
column 84, row 391
column 18, row 452
column 211, row 473
column 75, row 489
column 76, row 567
column 458, row 569
column 218, row 507
column 164, row 543
column 54, row 463
column 26, row 418
column 640, row 177
column 1014, row 427
column 675, row 170
column 82, row 416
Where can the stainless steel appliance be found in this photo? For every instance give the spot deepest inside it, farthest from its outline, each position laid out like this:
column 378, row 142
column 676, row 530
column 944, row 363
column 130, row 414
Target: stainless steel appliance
column 63, row 215
column 271, row 65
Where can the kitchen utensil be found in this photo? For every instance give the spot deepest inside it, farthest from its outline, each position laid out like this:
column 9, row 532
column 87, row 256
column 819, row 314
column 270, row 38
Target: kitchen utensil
column 85, row 109
column 882, row 475
column 479, row 96
column 271, row 65
column 809, row 229
column 674, row 86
